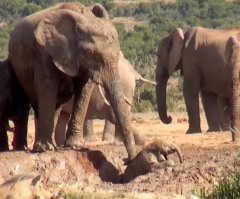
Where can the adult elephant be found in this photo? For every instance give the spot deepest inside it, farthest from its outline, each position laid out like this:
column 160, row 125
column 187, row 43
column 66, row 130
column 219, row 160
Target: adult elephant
column 200, row 54
column 99, row 109
column 61, row 51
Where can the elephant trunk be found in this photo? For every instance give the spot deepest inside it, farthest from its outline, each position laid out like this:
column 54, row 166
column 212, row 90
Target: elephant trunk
column 178, row 151
column 235, row 103
column 111, row 83
column 161, row 98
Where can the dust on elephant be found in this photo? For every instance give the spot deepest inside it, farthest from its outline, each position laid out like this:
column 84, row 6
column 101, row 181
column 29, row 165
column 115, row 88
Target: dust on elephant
column 13, row 106
column 61, row 51
column 232, row 53
column 98, row 109
column 150, row 158
column 200, row 54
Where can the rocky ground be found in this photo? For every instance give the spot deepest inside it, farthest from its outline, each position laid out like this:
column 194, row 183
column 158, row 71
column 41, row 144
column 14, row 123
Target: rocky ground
column 98, row 166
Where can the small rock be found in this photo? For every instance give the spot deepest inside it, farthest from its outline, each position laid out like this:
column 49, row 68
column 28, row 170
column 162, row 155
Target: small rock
column 192, row 197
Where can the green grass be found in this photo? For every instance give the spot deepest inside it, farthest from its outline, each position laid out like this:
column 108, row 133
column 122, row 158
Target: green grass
column 93, row 195
column 227, row 188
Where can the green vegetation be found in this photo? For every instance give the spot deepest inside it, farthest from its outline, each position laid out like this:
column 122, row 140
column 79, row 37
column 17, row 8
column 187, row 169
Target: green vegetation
column 93, row 195
column 227, row 187
column 139, row 46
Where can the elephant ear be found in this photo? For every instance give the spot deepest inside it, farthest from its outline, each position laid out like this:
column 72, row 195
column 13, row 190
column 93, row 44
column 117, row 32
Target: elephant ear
column 176, row 38
column 56, row 35
column 99, row 11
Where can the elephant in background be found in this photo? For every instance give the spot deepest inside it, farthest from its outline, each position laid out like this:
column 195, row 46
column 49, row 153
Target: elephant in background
column 99, row 109
column 14, row 106
column 232, row 52
column 200, row 55
column 61, row 51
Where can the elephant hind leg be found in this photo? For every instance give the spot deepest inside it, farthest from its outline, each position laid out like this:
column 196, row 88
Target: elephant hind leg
column 139, row 138
column 109, row 131
column 88, row 133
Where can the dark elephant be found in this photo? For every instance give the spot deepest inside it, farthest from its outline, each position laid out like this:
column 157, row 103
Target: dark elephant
column 200, row 55
column 14, row 106
column 61, row 51
column 99, row 109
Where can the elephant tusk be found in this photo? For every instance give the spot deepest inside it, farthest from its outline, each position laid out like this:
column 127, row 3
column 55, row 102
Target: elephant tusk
column 129, row 103
column 102, row 95
column 147, row 81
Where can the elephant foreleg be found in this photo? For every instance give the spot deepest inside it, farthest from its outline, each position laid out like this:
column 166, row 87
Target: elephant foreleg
column 210, row 106
column 88, row 133
column 191, row 89
column 161, row 165
column 109, row 131
column 81, row 101
column 46, row 89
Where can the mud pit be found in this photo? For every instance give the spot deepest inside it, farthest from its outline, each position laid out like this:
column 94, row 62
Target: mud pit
column 98, row 167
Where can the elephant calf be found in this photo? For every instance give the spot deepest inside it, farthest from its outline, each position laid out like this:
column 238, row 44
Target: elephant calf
column 151, row 158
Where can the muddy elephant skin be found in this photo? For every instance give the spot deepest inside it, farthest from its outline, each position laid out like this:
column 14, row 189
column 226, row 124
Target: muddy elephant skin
column 98, row 109
column 61, row 51
column 150, row 158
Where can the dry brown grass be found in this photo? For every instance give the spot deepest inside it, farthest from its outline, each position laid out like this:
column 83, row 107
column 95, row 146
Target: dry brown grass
column 129, row 22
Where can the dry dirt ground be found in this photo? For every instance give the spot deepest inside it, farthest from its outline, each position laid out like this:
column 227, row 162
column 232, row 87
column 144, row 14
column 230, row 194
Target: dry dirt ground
column 207, row 156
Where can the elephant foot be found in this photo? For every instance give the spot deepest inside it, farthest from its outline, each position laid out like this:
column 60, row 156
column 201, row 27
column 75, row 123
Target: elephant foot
column 213, row 130
column 42, row 146
column 192, row 131
column 225, row 127
column 107, row 136
column 4, row 148
column 74, row 142
column 118, row 141
column 89, row 138
column 20, row 148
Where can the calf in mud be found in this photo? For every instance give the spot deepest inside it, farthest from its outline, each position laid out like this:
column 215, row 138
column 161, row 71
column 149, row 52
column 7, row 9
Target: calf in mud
column 151, row 158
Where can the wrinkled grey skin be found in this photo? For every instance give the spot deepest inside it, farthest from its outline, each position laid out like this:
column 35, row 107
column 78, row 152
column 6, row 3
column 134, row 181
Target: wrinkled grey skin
column 151, row 158
column 200, row 55
column 97, row 109
column 61, row 51
column 14, row 106
column 232, row 53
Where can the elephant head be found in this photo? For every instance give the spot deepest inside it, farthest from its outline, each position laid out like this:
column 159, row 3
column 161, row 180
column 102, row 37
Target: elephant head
column 168, row 57
column 232, row 53
column 85, row 43
column 166, row 148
